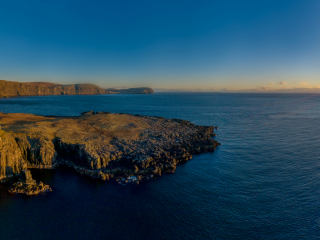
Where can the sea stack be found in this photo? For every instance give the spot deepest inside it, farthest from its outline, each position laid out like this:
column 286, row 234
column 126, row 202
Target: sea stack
column 28, row 186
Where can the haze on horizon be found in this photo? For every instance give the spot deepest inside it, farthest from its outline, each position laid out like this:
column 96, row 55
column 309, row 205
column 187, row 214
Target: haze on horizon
column 230, row 45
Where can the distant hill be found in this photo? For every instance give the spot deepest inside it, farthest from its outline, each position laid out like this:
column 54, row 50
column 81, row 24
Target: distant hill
column 142, row 90
column 16, row 89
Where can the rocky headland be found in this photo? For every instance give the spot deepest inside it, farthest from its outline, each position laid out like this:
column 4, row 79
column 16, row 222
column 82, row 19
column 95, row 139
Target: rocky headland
column 128, row 148
column 17, row 89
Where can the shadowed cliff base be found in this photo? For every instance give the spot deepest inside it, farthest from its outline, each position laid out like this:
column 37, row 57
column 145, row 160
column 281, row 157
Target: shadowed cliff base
column 102, row 145
column 17, row 89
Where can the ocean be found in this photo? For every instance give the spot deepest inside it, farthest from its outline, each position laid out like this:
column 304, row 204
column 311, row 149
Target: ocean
column 263, row 182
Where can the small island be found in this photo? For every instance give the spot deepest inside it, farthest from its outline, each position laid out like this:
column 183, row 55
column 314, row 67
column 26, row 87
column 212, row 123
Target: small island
column 127, row 148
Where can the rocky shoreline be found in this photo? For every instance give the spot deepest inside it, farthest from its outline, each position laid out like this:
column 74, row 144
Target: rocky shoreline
column 128, row 148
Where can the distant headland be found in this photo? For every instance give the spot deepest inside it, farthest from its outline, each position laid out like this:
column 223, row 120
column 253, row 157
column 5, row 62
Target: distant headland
column 17, row 89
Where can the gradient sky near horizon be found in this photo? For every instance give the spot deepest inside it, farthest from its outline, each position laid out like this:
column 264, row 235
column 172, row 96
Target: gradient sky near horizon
column 163, row 44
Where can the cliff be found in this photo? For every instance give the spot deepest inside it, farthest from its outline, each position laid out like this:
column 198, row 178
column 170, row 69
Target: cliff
column 11, row 159
column 101, row 145
column 16, row 89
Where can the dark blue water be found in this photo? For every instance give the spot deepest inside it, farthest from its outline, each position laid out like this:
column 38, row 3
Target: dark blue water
column 263, row 182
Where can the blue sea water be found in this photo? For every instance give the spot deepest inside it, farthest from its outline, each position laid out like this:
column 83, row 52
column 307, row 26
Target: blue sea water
column 263, row 182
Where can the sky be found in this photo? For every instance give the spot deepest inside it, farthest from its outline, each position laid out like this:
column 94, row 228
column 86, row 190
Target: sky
column 217, row 45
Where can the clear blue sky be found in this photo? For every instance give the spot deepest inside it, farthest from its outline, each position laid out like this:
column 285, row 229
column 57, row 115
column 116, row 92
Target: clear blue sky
column 237, row 44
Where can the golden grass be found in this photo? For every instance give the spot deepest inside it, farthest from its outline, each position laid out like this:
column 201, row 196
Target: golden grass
column 98, row 129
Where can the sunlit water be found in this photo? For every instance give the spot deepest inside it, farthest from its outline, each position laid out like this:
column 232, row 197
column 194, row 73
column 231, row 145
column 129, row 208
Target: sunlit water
column 263, row 182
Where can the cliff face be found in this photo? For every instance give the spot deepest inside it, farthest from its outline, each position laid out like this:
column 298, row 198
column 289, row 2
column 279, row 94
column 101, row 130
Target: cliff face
column 15, row 89
column 100, row 145
column 11, row 160
column 22, row 152
column 38, row 150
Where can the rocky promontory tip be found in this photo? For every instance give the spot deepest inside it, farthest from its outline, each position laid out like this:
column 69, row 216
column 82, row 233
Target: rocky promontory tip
column 17, row 89
column 127, row 148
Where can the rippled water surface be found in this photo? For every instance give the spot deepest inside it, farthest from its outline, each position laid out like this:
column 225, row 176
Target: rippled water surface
column 263, row 182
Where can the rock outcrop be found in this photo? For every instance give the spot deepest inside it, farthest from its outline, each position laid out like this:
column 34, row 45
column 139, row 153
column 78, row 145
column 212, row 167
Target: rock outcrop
column 16, row 89
column 28, row 186
column 125, row 147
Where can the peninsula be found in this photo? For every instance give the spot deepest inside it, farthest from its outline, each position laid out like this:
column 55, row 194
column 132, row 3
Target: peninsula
column 17, row 89
column 128, row 148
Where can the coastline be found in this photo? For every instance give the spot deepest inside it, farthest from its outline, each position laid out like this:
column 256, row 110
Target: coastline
column 10, row 89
